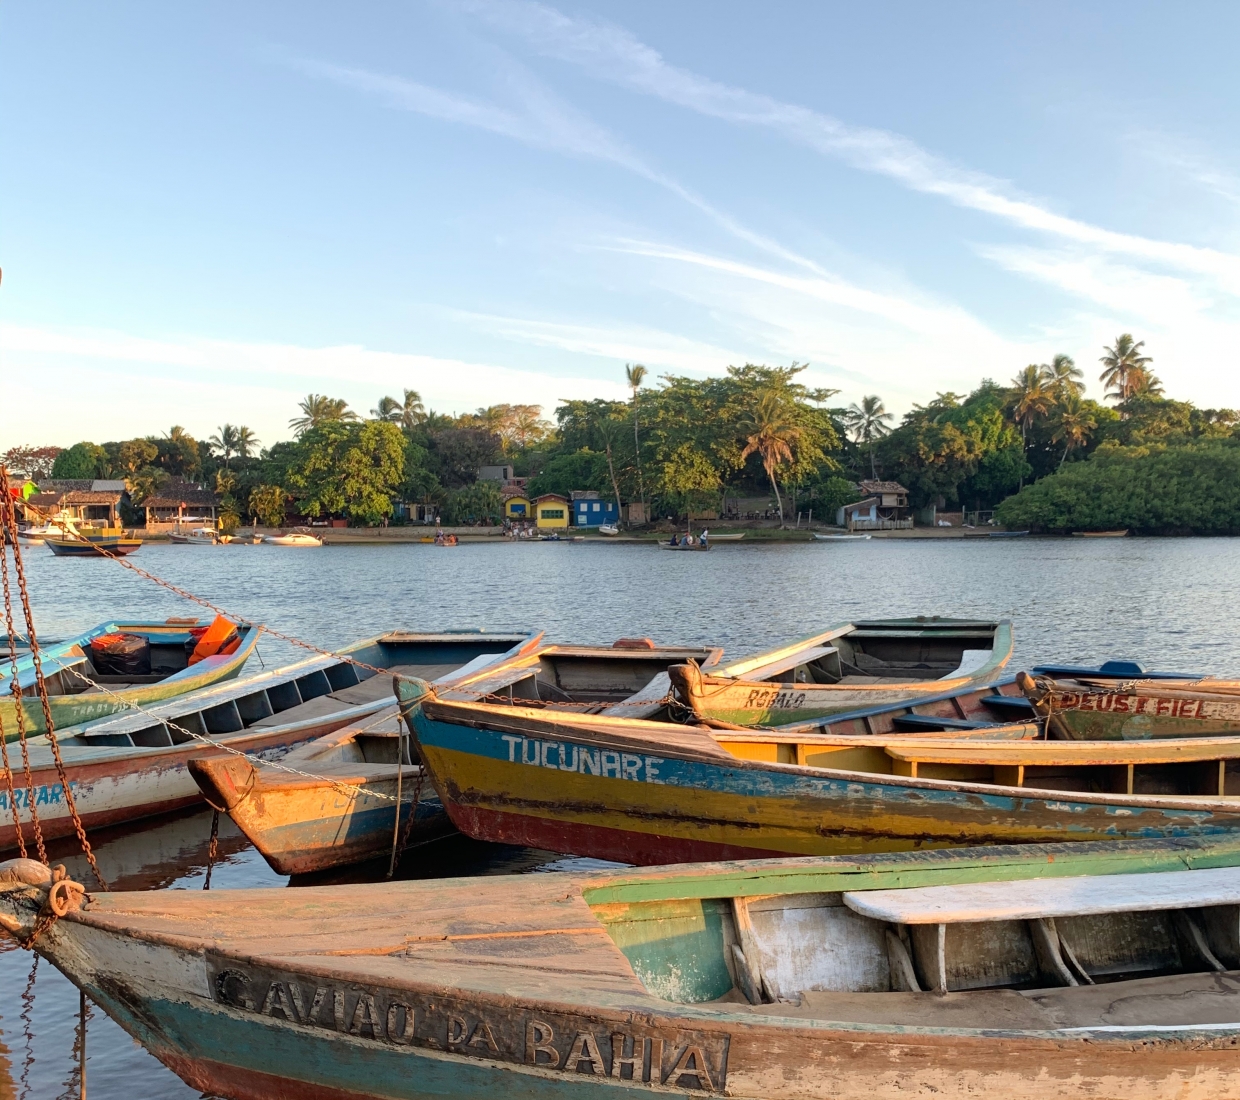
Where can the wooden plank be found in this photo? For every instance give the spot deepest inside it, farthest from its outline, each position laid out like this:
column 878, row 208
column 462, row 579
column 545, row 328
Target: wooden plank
column 1065, row 753
column 1030, row 900
column 790, row 661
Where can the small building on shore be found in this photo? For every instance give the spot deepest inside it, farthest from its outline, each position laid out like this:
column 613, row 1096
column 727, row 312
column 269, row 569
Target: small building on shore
column 518, row 508
column 180, row 503
column 883, row 507
column 590, row 510
column 85, row 500
column 551, row 510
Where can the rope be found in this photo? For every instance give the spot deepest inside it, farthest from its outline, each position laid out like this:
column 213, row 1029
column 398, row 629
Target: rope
column 10, row 521
column 213, row 849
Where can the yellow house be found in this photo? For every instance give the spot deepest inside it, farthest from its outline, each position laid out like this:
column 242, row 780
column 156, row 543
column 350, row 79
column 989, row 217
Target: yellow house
column 551, row 510
column 517, row 507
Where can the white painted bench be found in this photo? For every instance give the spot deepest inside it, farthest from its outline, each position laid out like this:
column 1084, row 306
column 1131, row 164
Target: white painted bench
column 788, row 662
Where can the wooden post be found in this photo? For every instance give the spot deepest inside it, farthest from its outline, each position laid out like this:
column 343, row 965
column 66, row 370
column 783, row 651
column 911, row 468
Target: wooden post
column 82, row 1045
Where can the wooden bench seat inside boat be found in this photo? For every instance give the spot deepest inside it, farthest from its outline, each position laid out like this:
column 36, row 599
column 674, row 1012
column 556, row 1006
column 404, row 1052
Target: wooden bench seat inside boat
column 1165, row 1001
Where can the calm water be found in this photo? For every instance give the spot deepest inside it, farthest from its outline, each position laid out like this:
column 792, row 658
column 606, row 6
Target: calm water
column 1166, row 602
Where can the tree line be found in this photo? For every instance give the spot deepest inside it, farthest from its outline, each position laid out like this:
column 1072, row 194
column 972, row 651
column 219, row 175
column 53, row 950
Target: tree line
column 679, row 445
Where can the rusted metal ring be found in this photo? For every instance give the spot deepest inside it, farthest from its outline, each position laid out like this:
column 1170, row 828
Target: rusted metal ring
column 60, row 898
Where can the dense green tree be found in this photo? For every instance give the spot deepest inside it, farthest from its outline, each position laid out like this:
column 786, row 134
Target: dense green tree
column 480, row 502
column 80, row 461
column 584, row 469
column 460, row 452
column 135, row 454
column 178, row 453
column 267, row 504
column 1155, row 489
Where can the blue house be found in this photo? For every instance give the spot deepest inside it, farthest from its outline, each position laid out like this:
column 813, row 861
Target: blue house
column 590, row 511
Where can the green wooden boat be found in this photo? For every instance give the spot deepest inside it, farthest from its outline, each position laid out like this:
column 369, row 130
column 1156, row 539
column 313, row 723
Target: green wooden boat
column 851, row 667
column 1048, row 972
column 70, row 667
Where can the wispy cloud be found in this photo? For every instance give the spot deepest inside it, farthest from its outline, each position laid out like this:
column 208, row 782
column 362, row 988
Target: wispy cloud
column 613, row 53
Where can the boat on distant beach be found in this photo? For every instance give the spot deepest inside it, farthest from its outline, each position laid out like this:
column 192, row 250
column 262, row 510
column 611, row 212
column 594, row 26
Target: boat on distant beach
column 198, row 536
column 337, row 801
column 841, row 538
column 293, row 538
column 1100, row 534
column 608, row 530
column 137, row 662
column 853, row 665
column 1106, row 970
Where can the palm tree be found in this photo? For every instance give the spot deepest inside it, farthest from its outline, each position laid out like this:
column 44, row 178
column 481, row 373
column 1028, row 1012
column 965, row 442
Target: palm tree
column 409, row 412
column 1124, row 367
column 1032, row 397
column 225, row 441
column 635, row 375
column 771, row 433
column 246, row 442
column 1147, row 384
column 1073, row 424
column 387, row 409
column 1063, row 377
column 868, row 423
column 319, row 409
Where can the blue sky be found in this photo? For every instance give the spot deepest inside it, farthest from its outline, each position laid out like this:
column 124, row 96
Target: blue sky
column 208, row 211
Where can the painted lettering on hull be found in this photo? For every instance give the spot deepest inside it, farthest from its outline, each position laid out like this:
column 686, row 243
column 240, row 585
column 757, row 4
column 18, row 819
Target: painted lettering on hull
column 1149, row 705
column 668, row 1057
column 566, row 757
column 773, row 699
column 51, row 794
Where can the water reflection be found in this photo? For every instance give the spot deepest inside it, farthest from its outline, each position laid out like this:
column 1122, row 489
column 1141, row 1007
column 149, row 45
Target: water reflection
column 1079, row 600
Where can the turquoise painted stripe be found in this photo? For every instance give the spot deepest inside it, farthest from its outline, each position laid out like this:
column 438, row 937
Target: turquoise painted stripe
column 250, row 1042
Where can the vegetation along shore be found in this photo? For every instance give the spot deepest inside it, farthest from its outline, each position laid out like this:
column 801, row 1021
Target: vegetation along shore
column 754, row 443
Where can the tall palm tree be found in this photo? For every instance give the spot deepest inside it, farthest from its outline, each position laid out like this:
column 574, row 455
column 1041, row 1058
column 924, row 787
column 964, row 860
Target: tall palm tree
column 635, row 375
column 225, row 442
column 387, row 409
column 319, row 409
column 1123, row 367
column 408, row 412
column 1063, row 377
column 1032, row 398
column 1147, row 384
column 771, row 433
column 246, row 442
column 868, row 423
column 1073, row 424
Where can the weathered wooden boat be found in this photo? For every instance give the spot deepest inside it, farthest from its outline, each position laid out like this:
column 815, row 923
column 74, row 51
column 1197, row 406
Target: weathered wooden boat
column 644, row 791
column 1085, row 707
column 851, row 666
column 841, row 538
column 1048, row 973
column 684, row 546
column 130, row 766
column 726, row 536
column 1101, row 534
column 158, row 671
column 344, row 811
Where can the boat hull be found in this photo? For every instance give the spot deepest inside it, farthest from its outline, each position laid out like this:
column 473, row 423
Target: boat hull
column 1150, row 709
column 302, row 825
column 744, row 699
column 515, row 779
column 75, row 548
column 73, row 710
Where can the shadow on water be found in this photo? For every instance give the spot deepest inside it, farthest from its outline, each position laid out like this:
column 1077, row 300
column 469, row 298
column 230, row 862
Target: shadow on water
column 1073, row 600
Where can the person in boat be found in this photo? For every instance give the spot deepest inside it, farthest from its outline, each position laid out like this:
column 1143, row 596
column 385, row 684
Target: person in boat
column 703, row 537
column 673, row 541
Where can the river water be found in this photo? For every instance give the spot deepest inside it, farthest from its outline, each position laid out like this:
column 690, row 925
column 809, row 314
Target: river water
column 1164, row 602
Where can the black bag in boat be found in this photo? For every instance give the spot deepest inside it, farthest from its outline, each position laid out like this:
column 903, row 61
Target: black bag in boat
column 121, row 655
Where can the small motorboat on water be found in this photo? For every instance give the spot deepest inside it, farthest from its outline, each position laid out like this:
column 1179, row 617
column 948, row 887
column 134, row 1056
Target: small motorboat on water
column 199, row 536
column 293, row 538
column 36, row 534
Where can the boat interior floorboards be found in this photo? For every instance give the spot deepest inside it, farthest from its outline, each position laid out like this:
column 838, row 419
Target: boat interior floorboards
column 321, row 707
column 1168, row 1001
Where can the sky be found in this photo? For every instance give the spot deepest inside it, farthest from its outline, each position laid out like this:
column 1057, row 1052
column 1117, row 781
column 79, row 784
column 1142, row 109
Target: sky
column 208, row 211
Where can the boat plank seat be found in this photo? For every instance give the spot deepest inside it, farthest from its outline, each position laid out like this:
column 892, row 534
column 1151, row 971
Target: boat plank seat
column 1066, row 753
column 790, row 661
column 319, row 707
column 645, row 703
column 1007, row 702
column 1034, row 899
column 931, row 722
column 380, row 687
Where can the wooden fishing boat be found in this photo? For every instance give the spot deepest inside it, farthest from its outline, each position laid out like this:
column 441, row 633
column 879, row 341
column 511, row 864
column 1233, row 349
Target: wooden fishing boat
column 130, row 766
column 644, row 791
column 841, row 538
column 1088, row 707
column 305, row 823
column 145, row 674
column 1101, row 534
column 726, row 536
column 851, row 666
column 1047, row 973
column 684, row 546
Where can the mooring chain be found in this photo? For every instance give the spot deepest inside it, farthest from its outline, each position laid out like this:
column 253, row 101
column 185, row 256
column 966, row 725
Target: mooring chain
column 344, row 658
column 10, row 520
